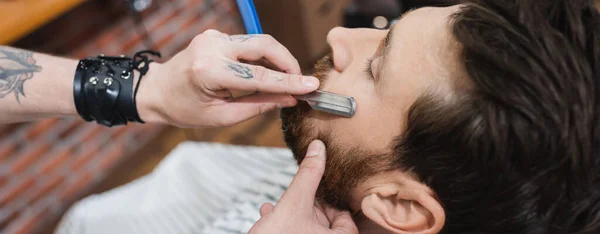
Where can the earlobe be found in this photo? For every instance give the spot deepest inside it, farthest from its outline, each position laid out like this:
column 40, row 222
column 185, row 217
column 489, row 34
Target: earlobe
column 404, row 212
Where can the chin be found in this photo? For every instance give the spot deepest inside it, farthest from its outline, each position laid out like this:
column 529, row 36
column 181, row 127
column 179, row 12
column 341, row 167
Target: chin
column 299, row 131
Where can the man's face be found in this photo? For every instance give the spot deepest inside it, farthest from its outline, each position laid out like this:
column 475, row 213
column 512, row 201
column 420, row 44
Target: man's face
column 385, row 71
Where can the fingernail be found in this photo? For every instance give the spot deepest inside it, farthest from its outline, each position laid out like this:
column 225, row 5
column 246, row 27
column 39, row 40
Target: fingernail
column 285, row 104
column 316, row 148
column 310, row 81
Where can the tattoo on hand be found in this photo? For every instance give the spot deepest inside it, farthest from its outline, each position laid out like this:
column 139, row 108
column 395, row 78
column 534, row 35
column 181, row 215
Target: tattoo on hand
column 241, row 38
column 239, row 69
column 16, row 67
column 278, row 77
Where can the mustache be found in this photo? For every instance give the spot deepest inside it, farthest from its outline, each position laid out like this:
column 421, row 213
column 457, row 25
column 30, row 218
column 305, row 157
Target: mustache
column 322, row 67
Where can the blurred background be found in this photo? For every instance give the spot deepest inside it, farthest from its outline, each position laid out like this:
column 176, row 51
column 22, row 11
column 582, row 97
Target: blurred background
column 46, row 166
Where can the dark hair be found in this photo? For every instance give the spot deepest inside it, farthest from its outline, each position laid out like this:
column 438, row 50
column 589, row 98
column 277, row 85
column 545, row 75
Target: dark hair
column 519, row 150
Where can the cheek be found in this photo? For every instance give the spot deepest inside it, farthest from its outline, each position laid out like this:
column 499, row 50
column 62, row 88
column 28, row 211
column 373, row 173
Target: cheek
column 372, row 127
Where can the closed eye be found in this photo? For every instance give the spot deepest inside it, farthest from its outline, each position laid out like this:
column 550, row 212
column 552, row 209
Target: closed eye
column 368, row 68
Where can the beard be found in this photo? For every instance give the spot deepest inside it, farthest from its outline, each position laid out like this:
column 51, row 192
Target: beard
column 346, row 165
column 295, row 125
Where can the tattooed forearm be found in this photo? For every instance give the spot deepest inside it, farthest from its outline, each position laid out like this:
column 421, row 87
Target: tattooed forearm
column 16, row 67
column 241, row 38
column 239, row 69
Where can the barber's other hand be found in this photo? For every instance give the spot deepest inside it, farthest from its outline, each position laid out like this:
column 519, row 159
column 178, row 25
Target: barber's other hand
column 296, row 211
column 194, row 88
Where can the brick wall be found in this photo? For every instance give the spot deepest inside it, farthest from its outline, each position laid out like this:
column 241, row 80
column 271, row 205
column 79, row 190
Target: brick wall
column 47, row 165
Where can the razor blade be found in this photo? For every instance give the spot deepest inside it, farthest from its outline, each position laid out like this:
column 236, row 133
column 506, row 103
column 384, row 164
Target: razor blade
column 330, row 102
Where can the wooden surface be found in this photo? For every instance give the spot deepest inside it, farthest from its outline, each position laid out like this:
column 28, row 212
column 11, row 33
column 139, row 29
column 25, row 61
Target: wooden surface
column 20, row 17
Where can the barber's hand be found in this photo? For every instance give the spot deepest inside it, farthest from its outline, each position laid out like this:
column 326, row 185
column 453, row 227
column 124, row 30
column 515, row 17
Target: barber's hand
column 296, row 212
column 194, row 88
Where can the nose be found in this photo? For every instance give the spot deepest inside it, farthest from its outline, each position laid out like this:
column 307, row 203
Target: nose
column 339, row 47
column 348, row 44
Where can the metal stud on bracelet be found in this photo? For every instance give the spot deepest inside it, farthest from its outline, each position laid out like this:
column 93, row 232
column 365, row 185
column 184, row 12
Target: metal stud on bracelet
column 94, row 80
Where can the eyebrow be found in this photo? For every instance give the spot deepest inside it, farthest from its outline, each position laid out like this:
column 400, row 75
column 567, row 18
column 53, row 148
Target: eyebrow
column 387, row 42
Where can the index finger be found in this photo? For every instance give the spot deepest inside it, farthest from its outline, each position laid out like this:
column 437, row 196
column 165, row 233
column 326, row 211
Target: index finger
column 253, row 47
column 302, row 190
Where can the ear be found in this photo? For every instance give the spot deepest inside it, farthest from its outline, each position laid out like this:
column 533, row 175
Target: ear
column 404, row 210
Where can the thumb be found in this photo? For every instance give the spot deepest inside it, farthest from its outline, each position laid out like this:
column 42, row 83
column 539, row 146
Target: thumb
column 303, row 188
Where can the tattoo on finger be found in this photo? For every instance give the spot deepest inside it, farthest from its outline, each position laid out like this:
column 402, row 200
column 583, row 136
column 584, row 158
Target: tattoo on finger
column 278, row 77
column 241, row 38
column 239, row 70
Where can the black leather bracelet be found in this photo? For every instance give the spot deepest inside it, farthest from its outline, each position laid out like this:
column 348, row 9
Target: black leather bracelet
column 103, row 88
